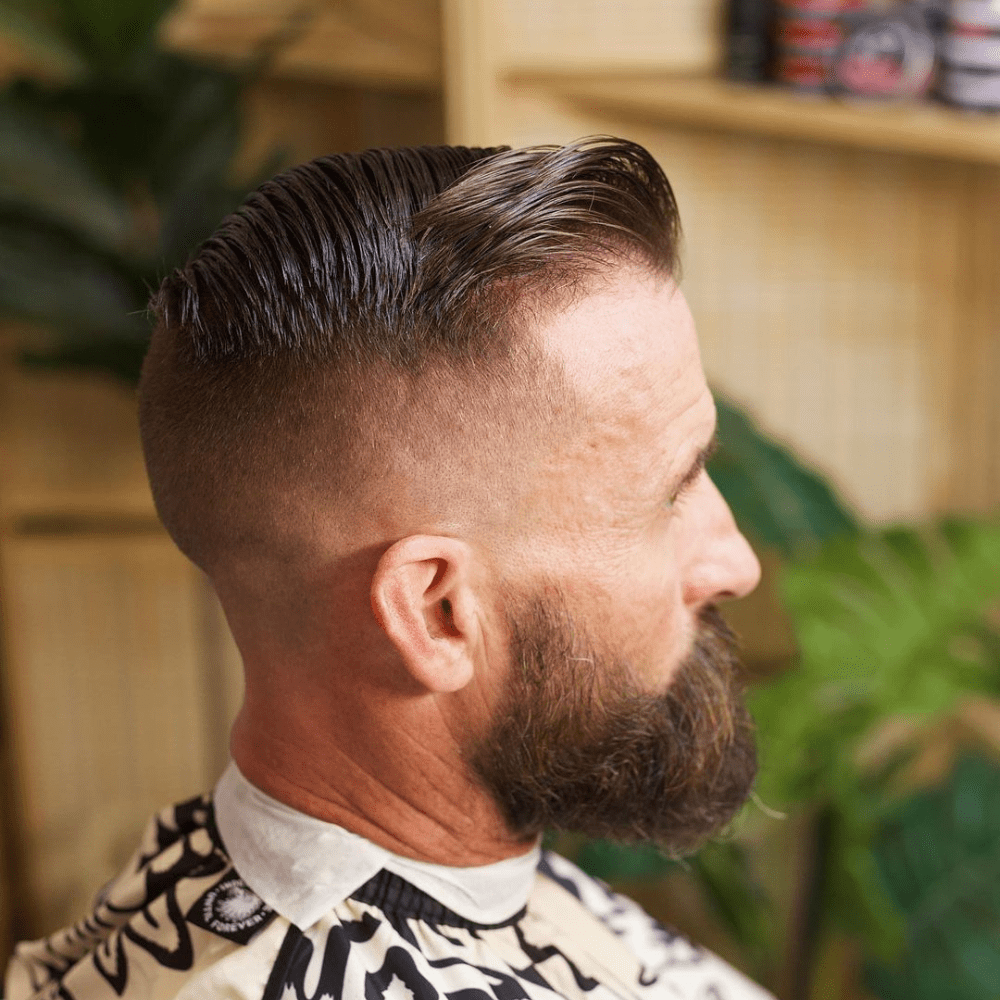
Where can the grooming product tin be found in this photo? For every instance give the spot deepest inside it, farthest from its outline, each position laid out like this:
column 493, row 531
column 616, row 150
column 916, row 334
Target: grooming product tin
column 817, row 8
column 803, row 70
column 972, row 37
column 886, row 56
column 970, row 52
column 970, row 88
column 808, row 34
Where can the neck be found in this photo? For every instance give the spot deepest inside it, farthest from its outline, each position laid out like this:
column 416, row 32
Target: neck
column 336, row 759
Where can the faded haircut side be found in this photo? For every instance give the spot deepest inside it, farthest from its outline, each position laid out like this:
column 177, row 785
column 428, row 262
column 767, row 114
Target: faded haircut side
column 361, row 314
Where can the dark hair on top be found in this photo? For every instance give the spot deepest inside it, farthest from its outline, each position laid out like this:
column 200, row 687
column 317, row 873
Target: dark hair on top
column 353, row 266
column 397, row 241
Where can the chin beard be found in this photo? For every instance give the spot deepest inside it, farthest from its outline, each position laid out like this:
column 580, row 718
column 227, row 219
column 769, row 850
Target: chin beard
column 576, row 746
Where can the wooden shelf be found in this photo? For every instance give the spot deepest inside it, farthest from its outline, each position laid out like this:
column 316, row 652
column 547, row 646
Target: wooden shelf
column 389, row 44
column 924, row 129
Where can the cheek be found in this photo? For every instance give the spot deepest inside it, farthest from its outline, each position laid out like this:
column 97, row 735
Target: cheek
column 657, row 620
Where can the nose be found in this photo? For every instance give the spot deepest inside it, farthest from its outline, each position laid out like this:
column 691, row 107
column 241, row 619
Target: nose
column 718, row 561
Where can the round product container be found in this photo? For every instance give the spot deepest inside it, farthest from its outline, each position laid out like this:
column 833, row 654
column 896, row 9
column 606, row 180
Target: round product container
column 975, row 13
column 971, row 88
column 886, row 57
column 965, row 45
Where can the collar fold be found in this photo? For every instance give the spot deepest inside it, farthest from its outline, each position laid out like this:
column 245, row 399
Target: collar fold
column 302, row 866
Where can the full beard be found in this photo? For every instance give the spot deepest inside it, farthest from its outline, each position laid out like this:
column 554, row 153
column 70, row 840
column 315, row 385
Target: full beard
column 577, row 746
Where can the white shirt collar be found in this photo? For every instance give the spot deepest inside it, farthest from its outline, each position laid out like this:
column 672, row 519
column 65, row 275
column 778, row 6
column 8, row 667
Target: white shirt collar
column 302, row 866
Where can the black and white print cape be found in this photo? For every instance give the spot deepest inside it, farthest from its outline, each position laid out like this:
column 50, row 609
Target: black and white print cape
column 180, row 923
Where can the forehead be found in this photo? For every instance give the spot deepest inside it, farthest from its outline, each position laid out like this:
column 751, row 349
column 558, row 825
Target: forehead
column 629, row 346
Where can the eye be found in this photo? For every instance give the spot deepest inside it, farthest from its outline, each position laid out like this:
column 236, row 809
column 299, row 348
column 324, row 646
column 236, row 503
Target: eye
column 677, row 501
column 684, row 491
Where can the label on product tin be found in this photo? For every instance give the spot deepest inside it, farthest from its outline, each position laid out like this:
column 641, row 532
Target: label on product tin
column 803, row 70
column 827, row 7
column 973, row 47
column 889, row 56
column 811, row 33
column 981, row 13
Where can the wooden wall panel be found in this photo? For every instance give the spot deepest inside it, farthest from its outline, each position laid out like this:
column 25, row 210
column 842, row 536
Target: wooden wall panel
column 485, row 40
column 650, row 34
column 382, row 43
column 972, row 482
column 304, row 119
column 823, row 284
column 69, row 445
column 112, row 714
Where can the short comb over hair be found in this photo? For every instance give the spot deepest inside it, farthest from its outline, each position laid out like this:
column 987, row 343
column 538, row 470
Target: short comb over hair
column 342, row 276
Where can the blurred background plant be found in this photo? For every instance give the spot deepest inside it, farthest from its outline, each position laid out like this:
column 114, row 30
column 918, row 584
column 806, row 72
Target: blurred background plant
column 113, row 166
column 118, row 160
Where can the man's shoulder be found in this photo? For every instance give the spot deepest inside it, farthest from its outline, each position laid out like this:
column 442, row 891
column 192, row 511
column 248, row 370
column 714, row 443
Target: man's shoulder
column 663, row 954
column 177, row 903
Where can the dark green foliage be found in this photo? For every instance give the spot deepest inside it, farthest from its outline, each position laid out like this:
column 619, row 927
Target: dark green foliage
column 938, row 857
column 724, row 873
column 613, row 862
column 109, row 177
column 890, row 626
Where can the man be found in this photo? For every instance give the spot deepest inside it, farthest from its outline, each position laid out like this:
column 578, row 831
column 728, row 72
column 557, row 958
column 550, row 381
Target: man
column 434, row 423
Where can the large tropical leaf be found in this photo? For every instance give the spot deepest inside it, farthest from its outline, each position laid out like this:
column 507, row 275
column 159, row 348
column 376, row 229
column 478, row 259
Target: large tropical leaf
column 108, row 35
column 37, row 36
column 777, row 500
column 939, row 859
column 109, row 179
column 889, row 624
column 43, row 176
column 69, row 291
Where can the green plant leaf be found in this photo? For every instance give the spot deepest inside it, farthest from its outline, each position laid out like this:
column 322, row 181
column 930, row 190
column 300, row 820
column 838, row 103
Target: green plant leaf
column 39, row 39
column 616, row 862
column 43, row 176
column 775, row 498
column 939, row 859
column 120, row 357
column 888, row 625
column 722, row 869
column 111, row 34
column 71, row 291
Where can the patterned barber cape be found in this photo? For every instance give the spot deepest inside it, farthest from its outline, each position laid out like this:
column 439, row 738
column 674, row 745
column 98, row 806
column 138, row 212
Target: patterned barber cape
column 237, row 896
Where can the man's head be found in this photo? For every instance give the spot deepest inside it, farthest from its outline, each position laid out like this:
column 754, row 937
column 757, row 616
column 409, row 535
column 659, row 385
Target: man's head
column 427, row 415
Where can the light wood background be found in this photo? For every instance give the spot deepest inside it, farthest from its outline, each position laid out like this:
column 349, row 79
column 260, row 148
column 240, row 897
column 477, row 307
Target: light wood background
column 841, row 267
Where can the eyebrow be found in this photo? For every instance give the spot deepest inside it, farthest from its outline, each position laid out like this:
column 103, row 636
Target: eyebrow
column 697, row 466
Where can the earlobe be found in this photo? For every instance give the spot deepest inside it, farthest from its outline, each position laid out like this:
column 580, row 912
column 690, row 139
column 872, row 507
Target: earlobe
column 421, row 598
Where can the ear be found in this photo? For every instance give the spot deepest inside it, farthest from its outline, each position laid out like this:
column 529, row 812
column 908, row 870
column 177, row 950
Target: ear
column 423, row 599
